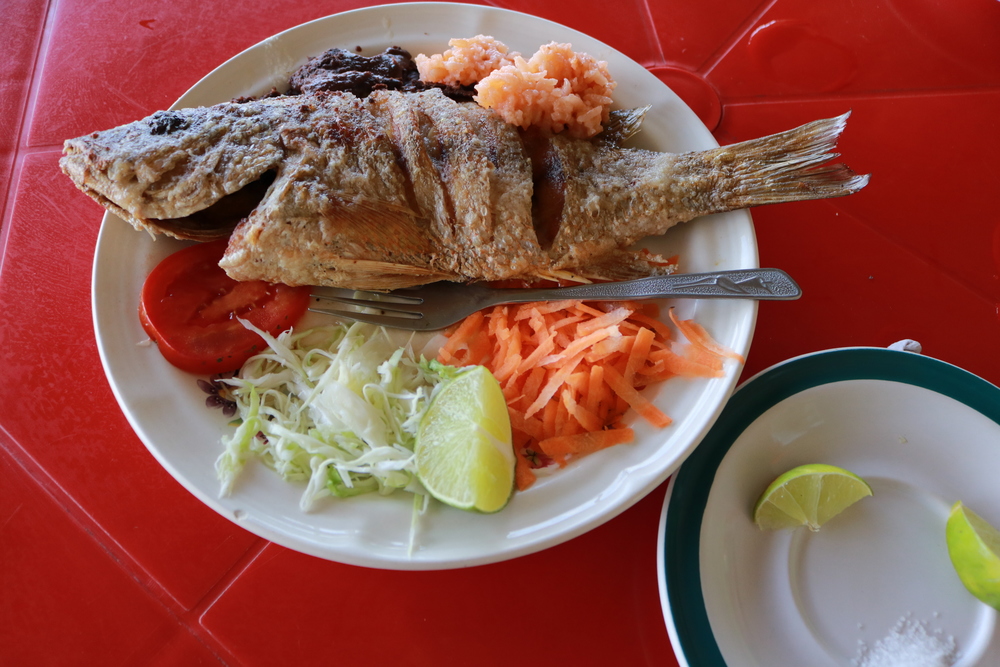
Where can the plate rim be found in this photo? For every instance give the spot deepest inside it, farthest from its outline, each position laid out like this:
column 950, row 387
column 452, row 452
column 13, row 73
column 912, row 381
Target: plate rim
column 679, row 568
column 643, row 484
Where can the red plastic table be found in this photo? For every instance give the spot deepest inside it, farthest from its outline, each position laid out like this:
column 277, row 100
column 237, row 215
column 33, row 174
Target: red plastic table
column 106, row 560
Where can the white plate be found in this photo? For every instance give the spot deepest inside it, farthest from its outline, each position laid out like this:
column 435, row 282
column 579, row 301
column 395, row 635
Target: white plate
column 166, row 409
column 922, row 432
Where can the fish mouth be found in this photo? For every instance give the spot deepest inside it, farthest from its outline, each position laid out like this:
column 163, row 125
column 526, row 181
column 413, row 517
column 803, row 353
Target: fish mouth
column 218, row 220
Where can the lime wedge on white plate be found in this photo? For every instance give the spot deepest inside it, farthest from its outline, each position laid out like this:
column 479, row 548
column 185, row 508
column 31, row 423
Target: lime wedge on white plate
column 974, row 548
column 808, row 495
column 464, row 453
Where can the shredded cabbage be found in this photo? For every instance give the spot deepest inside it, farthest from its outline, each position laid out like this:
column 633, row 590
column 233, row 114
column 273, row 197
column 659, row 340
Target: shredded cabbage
column 337, row 407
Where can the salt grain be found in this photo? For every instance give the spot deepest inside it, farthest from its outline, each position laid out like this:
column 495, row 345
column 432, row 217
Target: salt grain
column 909, row 644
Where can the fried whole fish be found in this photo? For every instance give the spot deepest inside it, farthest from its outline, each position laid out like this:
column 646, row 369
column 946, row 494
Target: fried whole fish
column 401, row 188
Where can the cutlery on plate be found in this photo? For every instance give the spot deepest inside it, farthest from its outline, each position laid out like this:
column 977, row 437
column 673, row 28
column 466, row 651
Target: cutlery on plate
column 438, row 305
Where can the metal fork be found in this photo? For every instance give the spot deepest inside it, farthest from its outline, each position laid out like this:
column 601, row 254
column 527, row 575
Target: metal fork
column 438, row 305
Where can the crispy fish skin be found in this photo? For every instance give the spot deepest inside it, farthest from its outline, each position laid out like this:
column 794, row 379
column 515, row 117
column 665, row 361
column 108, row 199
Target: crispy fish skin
column 400, row 189
column 390, row 191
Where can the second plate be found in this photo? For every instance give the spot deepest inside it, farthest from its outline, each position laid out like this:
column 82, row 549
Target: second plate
column 877, row 579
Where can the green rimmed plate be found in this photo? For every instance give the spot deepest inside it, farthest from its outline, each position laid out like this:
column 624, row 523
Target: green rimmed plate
column 922, row 432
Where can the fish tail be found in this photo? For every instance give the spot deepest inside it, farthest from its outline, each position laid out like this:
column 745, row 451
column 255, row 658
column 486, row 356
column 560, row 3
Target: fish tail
column 785, row 167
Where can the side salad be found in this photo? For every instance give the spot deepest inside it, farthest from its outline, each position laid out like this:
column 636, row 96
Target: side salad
column 337, row 407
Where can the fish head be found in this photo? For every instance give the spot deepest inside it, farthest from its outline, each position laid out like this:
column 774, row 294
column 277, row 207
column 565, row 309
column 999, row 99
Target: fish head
column 188, row 173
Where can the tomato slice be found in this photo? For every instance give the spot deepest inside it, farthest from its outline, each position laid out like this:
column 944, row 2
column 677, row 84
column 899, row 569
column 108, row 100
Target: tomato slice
column 189, row 307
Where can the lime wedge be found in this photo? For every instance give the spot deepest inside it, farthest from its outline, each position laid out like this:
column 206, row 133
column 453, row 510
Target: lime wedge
column 974, row 548
column 464, row 453
column 808, row 495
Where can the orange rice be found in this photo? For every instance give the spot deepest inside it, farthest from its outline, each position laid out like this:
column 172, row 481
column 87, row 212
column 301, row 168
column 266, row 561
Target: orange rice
column 466, row 62
column 557, row 89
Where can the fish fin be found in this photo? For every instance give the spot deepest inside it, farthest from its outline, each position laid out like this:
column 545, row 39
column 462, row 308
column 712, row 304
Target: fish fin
column 784, row 167
column 622, row 125
column 356, row 246
column 325, row 269
column 627, row 265
column 366, row 274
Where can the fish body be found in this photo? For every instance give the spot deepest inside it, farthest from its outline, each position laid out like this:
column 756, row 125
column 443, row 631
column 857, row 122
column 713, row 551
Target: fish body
column 403, row 188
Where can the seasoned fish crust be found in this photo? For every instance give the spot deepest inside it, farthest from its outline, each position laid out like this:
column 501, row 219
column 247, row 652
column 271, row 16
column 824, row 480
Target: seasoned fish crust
column 402, row 188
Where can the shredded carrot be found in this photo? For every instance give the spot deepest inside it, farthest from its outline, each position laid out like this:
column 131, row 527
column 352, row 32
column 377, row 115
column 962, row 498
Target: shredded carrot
column 606, row 348
column 460, row 337
column 549, row 418
column 656, row 325
column 584, row 417
column 576, row 347
column 606, row 320
column 479, row 349
column 561, row 447
column 578, row 382
column 639, row 403
column 570, row 371
column 524, row 476
column 684, row 365
column 562, row 322
column 696, row 333
column 594, row 389
column 544, row 347
column 553, row 383
column 588, row 309
column 639, row 353
column 527, row 425
column 533, row 384
column 551, row 306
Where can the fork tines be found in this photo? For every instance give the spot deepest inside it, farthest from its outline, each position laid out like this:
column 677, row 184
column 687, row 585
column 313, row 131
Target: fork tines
column 370, row 304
